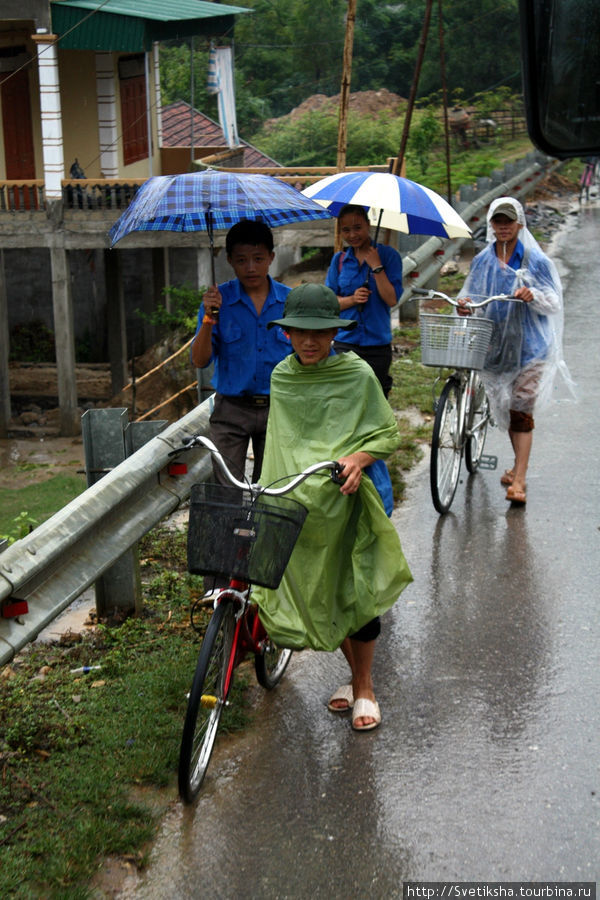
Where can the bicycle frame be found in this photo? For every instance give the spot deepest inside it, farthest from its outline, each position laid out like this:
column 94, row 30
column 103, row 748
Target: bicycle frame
column 249, row 635
column 234, row 631
column 467, row 379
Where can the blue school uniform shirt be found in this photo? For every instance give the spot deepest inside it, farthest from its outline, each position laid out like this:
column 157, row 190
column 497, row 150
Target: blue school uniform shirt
column 374, row 322
column 243, row 350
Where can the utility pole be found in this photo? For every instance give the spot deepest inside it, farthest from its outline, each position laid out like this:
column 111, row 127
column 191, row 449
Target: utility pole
column 345, row 88
column 344, row 100
column 413, row 90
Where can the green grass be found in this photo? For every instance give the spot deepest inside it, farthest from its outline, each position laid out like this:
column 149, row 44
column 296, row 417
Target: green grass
column 77, row 750
column 33, row 504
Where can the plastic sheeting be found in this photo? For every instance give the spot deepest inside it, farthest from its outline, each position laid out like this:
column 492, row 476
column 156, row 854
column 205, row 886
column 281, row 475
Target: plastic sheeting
column 347, row 565
column 526, row 349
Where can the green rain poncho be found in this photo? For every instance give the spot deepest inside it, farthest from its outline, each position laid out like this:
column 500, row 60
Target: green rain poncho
column 347, row 566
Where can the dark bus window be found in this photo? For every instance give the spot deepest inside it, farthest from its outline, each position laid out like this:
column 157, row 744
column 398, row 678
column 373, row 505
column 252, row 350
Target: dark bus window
column 561, row 75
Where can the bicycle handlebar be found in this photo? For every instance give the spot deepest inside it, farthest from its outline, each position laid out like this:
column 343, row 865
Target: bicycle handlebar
column 432, row 295
column 199, row 440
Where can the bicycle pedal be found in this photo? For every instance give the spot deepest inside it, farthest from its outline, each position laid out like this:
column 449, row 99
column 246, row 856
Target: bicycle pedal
column 488, row 462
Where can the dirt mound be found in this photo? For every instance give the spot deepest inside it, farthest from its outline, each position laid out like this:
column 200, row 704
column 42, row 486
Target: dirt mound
column 366, row 103
column 164, row 374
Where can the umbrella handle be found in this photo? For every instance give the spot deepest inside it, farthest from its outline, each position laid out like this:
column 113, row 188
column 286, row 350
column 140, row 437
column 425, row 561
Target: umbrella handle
column 209, row 228
column 378, row 224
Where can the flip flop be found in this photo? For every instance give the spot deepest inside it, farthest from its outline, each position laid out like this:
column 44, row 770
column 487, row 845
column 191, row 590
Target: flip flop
column 342, row 693
column 516, row 496
column 364, row 708
column 507, row 477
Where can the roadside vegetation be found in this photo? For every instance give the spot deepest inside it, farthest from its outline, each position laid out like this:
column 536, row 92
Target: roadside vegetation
column 84, row 757
column 23, row 508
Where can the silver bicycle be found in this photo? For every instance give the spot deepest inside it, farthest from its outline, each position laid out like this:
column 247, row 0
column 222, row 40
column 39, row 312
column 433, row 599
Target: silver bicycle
column 462, row 410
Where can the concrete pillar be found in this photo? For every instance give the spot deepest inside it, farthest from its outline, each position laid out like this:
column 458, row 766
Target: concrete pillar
column 115, row 316
column 158, row 100
column 159, row 277
column 64, row 340
column 4, row 353
column 52, row 141
column 107, row 115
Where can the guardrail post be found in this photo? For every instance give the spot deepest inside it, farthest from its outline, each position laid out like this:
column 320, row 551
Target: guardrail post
column 108, row 438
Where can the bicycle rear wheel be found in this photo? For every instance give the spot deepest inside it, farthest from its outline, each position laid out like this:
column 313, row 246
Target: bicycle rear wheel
column 207, row 699
column 446, row 450
column 479, row 417
column 271, row 664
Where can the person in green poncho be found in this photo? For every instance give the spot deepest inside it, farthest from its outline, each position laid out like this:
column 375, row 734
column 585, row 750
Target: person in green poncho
column 347, row 567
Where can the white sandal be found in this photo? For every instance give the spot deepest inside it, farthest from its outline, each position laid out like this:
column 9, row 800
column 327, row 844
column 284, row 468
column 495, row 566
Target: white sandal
column 343, row 693
column 366, row 709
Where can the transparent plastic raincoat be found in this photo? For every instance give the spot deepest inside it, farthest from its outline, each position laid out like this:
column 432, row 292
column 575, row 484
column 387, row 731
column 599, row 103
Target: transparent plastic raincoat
column 347, row 566
column 525, row 353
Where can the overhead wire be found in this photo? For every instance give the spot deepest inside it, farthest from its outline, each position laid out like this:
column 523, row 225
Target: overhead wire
column 33, row 59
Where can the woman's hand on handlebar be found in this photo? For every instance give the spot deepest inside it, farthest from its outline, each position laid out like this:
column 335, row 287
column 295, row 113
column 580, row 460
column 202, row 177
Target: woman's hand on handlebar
column 524, row 293
column 462, row 307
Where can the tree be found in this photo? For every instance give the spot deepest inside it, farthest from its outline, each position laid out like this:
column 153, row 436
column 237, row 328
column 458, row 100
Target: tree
column 289, row 49
column 481, row 43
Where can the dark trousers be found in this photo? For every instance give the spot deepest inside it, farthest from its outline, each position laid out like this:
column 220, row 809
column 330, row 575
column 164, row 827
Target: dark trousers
column 234, row 423
column 378, row 356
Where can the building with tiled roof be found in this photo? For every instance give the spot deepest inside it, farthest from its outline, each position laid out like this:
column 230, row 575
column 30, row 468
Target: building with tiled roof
column 177, row 121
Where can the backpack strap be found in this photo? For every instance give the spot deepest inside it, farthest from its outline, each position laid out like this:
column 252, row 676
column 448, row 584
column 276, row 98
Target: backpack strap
column 341, row 259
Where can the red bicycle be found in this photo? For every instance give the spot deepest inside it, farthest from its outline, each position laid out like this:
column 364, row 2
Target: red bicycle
column 246, row 533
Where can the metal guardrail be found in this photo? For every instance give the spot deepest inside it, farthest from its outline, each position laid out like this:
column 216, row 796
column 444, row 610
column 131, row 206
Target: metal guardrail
column 53, row 565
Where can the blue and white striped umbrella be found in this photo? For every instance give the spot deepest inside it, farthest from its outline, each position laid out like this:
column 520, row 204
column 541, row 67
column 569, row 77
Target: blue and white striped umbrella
column 391, row 202
column 214, row 201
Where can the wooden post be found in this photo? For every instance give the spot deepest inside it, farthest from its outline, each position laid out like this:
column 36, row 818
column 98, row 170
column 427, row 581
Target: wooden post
column 413, row 89
column 345, row 87
column 445, row 96
column 345, row 98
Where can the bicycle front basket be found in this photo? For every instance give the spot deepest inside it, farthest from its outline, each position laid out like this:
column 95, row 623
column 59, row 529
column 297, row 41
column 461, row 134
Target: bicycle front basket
column 233, row 535
column 455, row 342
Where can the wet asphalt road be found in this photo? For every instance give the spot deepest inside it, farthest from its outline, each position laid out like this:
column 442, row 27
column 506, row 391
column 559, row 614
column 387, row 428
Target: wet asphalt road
column 486, row 765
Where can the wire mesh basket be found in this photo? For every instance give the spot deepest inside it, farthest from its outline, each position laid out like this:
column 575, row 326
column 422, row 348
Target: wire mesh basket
column 455, row 342
column 232, row 534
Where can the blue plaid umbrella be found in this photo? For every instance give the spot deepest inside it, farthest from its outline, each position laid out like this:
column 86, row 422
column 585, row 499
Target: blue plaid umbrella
column 391, row 202
column 210, row 201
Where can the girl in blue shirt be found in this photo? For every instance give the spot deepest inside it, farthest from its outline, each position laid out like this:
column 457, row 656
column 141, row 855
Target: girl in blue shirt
column 367, row 279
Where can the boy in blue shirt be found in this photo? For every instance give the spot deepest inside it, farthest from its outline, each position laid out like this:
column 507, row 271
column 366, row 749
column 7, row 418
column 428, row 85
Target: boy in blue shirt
column 232, row 332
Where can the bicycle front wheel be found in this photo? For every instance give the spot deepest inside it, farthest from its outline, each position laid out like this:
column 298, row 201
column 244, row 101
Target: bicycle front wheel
column 207, row 699
column 446, row 449
column 271, row 664
column 479, row 418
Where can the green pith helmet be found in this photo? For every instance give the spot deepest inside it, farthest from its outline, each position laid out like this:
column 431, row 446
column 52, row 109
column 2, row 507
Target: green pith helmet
column 312, row 307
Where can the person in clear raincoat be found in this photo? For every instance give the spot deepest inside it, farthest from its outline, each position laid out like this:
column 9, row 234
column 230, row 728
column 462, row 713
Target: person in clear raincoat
column 525, row 351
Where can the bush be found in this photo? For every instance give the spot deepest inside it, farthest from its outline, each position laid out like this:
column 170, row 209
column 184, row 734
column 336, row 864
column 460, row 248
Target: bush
column 32, row 342
column 183, row 312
